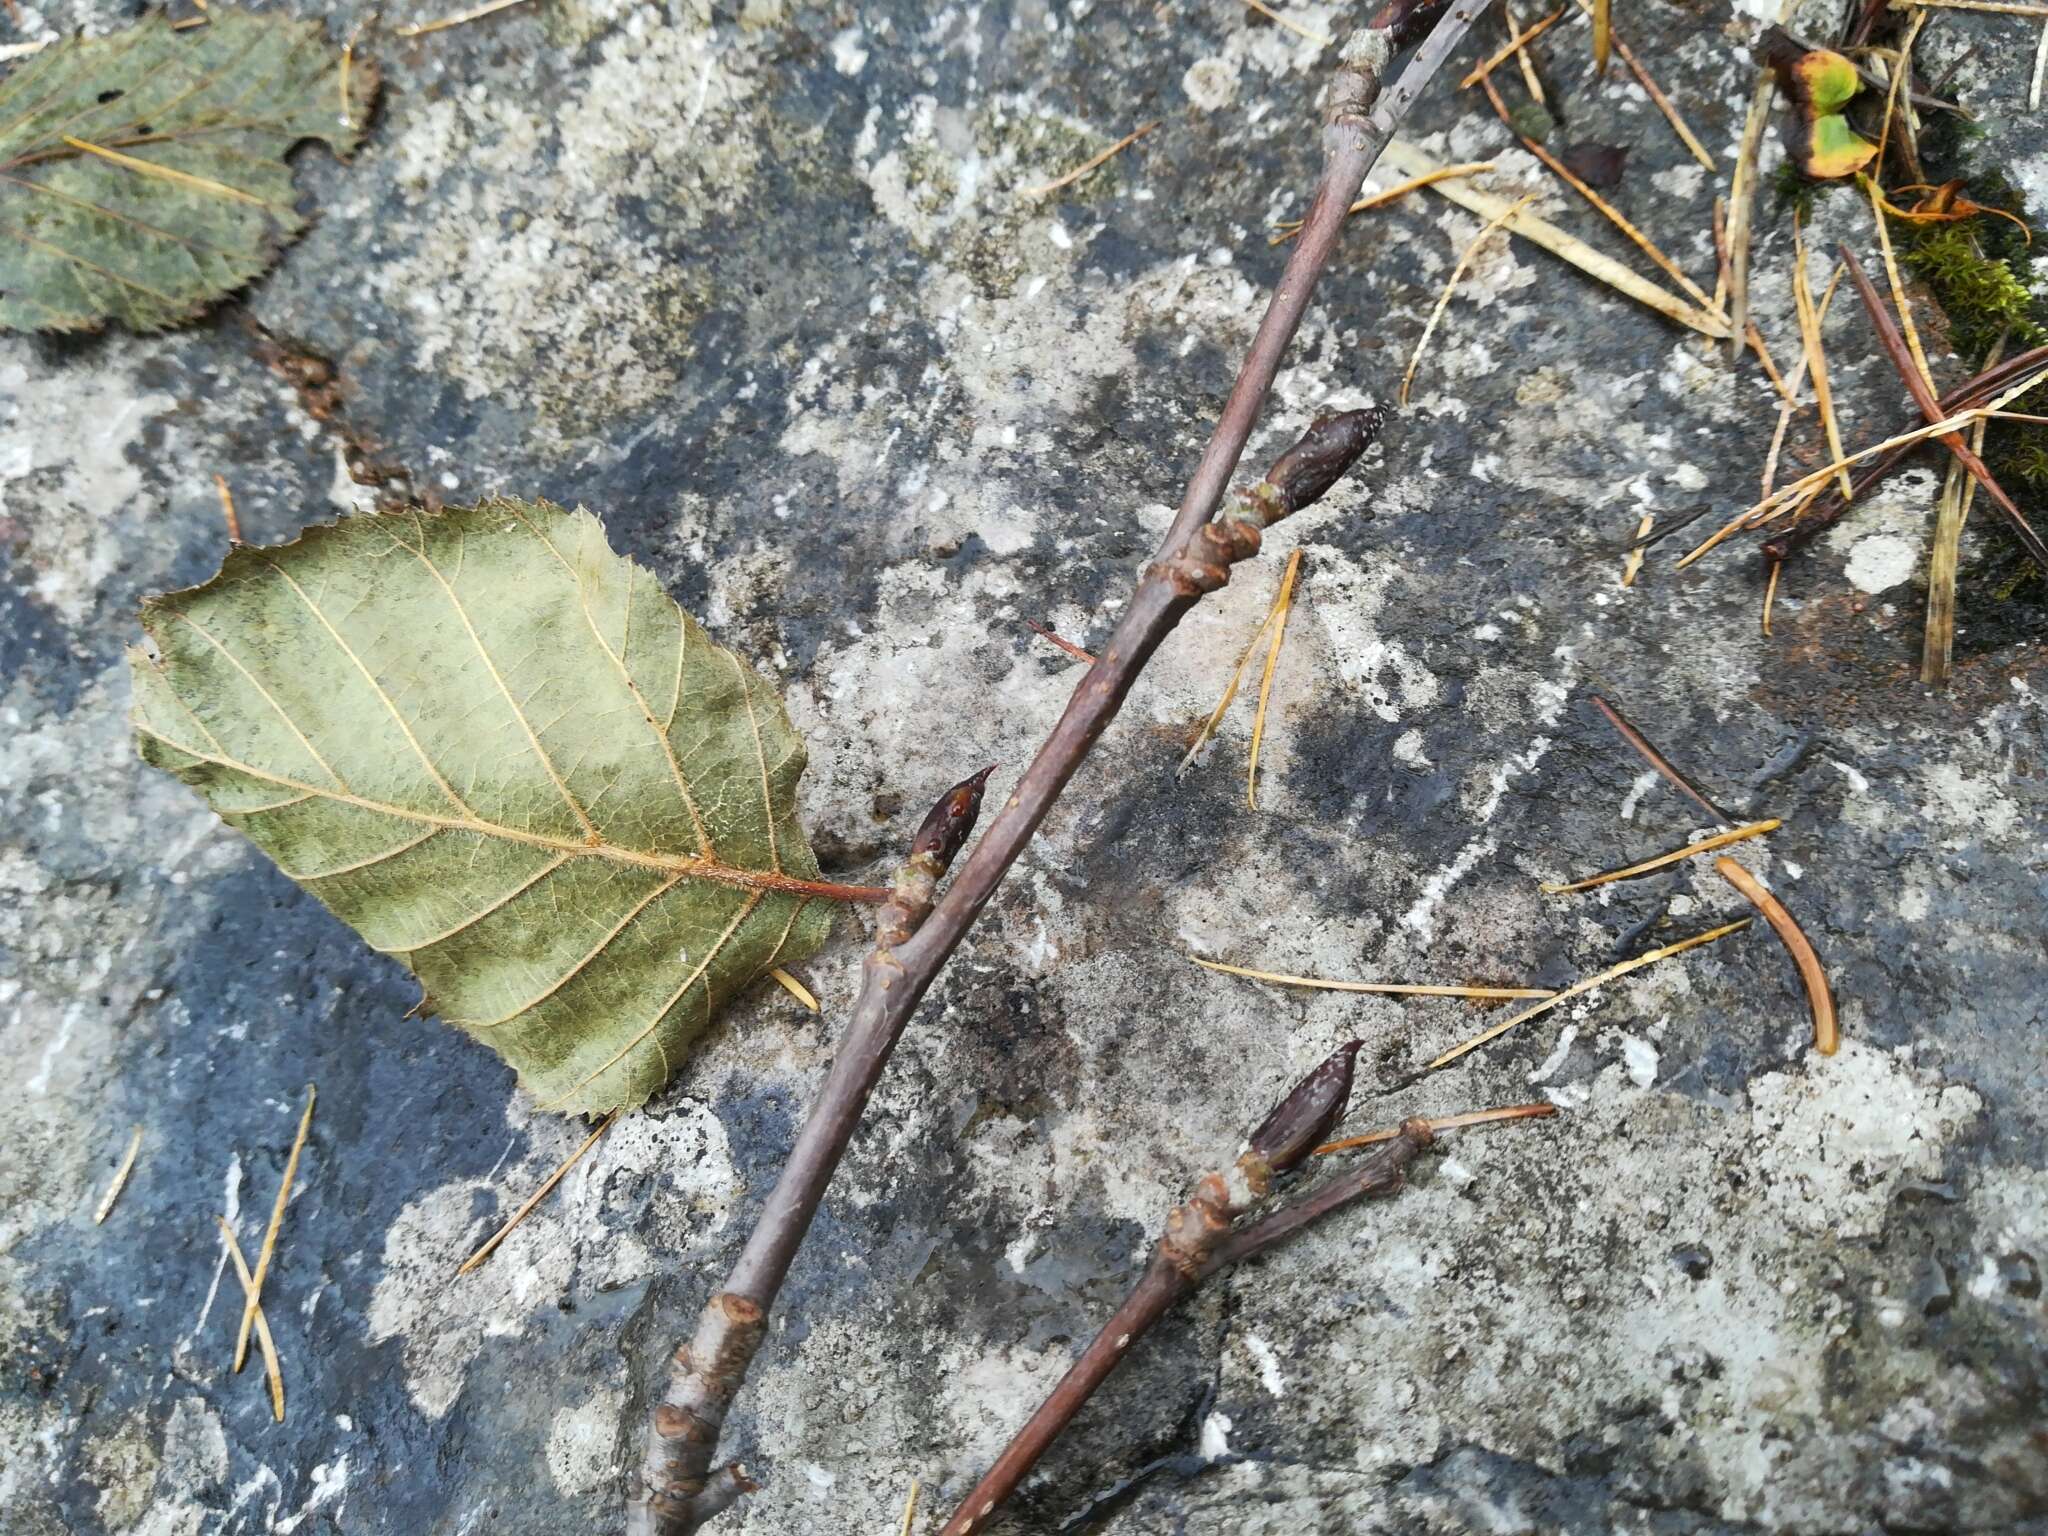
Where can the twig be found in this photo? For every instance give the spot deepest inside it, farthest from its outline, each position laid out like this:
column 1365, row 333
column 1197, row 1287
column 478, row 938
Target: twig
column 1201, row 1239
column 1091, row 164
column 284, row 1194
column 1659, row 761
column 490, row 1244
column 1678, row 125
column 1517, row 41
column 674, row 1491
column 458, row 19
column 1827, row 1038
column 266, row 1345
column 227, row 510
column 1394, row 988
column 1587, row 985
column 1411, row 161
column 1676, row 855
column 1287, row 229
column 1295, row 27
column 120, row 1181
column 1068, row 646
column 1282, row 606
column 1442, row 1123
column 1443, row 299
column 1923, row 397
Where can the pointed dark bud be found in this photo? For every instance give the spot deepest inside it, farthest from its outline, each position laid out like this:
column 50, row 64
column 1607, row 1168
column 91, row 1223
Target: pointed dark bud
column 1330, row 446
column 1304, row 1119
column 951, row 820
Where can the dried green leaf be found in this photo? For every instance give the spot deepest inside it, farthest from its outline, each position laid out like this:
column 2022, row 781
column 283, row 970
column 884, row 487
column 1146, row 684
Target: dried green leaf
column 142, row 175
column 503, row 755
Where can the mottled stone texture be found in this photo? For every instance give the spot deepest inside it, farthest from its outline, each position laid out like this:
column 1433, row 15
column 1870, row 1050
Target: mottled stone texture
column 758, row 284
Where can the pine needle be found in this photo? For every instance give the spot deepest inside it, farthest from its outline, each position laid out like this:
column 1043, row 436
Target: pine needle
column 909, row 1510
column 460, row 18
column 1771, row 596
column 1827, row 1037
column 1518, row 38
column 1405, row 158
column 1287, row 229
column 121, row 1173
column 1443, row 300
column 1066, row 645
column 1293, row 26
column 1390, row 988
column 1891, row 272
column 490, row 1244
column 1996, row 7
column 1517, row 41
column 164, row 172
column 1657, row 760
column 1230, row 692
column 266, row 1345
column 227, row 510
column 1591, row 982
column 1277, row 619
column 1088, row 166
column 1900, row 70
column 1678, row 125
column 1632, row 562
column 795, row 989
column 1603, row 35
column 23, row 50
column 263, row 1254
column 1443, row 1123
column 1816, row 353
column 1613, row 215
column 2040, row 71
column 1676, row 855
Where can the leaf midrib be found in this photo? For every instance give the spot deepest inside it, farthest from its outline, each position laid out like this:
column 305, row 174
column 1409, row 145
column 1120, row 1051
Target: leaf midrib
column 687, row 866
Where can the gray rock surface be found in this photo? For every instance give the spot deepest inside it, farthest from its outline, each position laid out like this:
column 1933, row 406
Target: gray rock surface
column 760, row 283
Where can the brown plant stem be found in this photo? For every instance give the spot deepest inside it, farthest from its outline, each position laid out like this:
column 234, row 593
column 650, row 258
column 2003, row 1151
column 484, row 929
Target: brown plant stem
column 1197, row 1244
column 675, row 1490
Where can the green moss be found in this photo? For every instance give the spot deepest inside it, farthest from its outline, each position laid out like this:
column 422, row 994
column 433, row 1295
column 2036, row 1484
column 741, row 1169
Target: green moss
column 1981, row 289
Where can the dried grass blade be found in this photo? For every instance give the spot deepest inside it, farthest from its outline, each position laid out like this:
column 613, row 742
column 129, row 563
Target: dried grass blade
column 1528, row 65
column 1407, row 159
column 120, row 1181
column 1282, row 606
column 1392, row 988
column 1891, row 272
column 266, row 1345
column 1676, row 855
column 526, row 1209
column 1578, row 987
column 1632, row 562
column 909, row 1510
column 1827, row 1037
column 1229, row 692
column 1443, row 300
column 1603, row 34
column 1816, row 354
column 1678, row 125
column 263, row 1254
column 1770, row 597
column 1742, row 197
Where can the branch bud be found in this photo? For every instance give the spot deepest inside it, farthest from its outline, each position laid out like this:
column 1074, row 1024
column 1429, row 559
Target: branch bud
column 1301, row 1121
column 946, row 829
column 1405, row 21
column 1300, row 476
